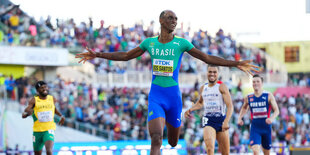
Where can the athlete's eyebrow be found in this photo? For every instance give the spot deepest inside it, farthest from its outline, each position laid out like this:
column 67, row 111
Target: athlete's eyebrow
column 171, row 17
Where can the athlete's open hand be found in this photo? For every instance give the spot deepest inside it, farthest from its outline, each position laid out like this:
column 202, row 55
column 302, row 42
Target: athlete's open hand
column 86, row 55
column 225, row 126
column 62, row 120
column 269, row 120
column 240, row 122
column 248, row 68
column 187, row 113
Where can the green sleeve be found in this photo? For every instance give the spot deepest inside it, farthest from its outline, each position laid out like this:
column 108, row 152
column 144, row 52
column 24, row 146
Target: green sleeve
column 144, row 44
column 186, row 45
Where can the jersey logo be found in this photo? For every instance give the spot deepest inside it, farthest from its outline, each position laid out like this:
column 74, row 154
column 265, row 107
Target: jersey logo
column 151, row 113
column 264, row 97
column 177, row 43
column 151, row 44
column 251, row 99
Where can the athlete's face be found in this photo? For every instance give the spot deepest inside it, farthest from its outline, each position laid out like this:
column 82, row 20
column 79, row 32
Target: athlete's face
column 257, row 83
column 169, row 21
column 212, row 74
column 43, row 90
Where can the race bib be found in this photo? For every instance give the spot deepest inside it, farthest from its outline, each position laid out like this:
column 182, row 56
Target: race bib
column 212, row 108
column 162, row 67
column 264, row 109
column 45, row 116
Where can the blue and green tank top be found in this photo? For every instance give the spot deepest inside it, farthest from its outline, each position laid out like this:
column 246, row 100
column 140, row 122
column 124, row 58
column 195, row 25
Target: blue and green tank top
column 166, row 59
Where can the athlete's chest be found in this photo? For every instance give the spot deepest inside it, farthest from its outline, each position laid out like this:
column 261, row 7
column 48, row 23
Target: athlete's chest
column 169, row 50
column 44, row 104
column 255, row 102
column 211, row 93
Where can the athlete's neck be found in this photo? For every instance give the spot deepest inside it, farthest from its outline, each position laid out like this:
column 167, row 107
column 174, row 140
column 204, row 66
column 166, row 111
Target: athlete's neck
column 258, row 93
column 42, row 97
column 165, row 37
column 211, row 84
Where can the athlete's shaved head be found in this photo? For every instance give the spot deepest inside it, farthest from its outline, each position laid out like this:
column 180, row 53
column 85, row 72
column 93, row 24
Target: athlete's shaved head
column 168, row 20
column 163, row 13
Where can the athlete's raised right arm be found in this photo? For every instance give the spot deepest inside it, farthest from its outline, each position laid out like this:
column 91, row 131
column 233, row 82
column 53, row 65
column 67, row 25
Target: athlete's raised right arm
column 117, row 56
column 243, row 111
column 29, row 109
column 197, row 106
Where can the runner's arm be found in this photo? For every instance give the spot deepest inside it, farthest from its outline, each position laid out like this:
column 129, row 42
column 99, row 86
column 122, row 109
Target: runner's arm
column 121, row 56
column 244, row 66
column 199, row 103
column 274, row 106
column 29, row 109
column 227, row 100
column 244, row 108
column 209, row 59
column 56, row 110
column 62, row 118
column 117, row 56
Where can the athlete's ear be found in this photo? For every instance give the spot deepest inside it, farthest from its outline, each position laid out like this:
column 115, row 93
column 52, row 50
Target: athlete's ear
column 161, row 20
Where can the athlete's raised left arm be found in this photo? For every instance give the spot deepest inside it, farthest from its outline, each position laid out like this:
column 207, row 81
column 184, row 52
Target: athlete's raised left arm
column 62, row 118
column 275, row 108
column 227, row 100
column 245, row 65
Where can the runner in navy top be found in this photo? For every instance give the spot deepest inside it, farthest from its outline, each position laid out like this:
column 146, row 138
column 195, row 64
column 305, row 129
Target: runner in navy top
column 260, row 103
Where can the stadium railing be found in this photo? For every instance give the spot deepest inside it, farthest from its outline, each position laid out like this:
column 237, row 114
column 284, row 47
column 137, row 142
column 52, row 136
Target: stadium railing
column 143, row 79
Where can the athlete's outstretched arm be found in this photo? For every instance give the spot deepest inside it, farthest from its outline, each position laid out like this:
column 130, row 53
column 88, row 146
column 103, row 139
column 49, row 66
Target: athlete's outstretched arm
column 198, row 105
column 29, row 109
column 243, row 111
column 62, row 118
column 275, row 109
column 227, row 100
column 117, row 56
column 245, row 65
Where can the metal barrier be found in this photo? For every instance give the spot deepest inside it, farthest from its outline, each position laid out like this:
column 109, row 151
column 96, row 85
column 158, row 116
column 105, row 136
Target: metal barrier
column 144, row 79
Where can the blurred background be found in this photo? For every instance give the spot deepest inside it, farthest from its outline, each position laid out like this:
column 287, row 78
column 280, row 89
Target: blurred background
column 105, row 102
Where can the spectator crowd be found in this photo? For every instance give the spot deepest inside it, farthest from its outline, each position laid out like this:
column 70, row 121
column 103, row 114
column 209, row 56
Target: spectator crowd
column 18, row 29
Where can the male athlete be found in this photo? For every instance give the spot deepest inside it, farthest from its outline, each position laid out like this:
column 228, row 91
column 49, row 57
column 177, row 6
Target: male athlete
column 214, row 98
column 42, row 109
column 166, row 50
column 260, row 103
